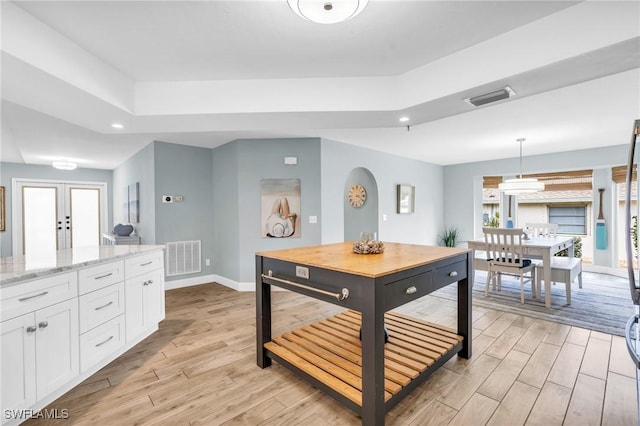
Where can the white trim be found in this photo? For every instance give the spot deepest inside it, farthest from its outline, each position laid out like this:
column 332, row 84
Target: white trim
column 188, row 282
column 205, row 279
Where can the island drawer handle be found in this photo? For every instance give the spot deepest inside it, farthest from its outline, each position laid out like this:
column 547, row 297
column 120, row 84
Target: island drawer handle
column 102, row 343
column 340, row 296
column 453, row 273
column 146, row 263
column 103, row 276
column 103, row 306
column 411, row 290
column 44, row 293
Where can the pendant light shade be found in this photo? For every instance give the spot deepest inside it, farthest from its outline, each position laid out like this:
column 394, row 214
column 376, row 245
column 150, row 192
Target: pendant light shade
column 521, row 185
column 327, row 11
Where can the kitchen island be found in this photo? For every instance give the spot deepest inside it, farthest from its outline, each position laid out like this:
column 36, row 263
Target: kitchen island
column 66, row 314
column 369, row 376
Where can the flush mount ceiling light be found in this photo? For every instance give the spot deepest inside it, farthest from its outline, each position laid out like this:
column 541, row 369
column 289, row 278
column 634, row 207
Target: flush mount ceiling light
column 327, row 11
column 495, row 96
column 64, row 165
column 117, row 126
column 404, row 119
column 521, row 185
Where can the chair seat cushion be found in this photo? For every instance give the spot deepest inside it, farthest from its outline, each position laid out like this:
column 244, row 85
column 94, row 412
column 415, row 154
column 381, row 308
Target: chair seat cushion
column 525, row 262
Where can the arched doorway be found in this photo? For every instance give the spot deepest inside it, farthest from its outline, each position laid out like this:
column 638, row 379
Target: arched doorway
column 364, row 217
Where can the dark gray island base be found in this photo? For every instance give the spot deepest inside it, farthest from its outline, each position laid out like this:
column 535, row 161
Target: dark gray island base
column 369, row 377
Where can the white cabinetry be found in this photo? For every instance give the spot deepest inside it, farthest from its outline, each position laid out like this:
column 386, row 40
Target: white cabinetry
column 40, row 339
column 58, row 330
column 144, row 294
column 102, row 310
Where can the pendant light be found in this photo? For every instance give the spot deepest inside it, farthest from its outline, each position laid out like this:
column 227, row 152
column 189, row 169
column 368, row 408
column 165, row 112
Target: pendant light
column 521, row 185
column 327, row 11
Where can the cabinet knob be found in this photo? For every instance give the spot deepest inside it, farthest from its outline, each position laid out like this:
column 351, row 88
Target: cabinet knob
column 43, row 324
column 31, row 329
column 453, row 273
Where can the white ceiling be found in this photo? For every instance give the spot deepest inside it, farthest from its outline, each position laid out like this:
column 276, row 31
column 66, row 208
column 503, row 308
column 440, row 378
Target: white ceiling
column 204, row 73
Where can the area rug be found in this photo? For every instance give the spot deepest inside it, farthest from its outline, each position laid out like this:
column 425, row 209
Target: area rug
column 602, row 304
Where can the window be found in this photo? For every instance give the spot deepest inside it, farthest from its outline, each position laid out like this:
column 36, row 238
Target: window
column 570, row 219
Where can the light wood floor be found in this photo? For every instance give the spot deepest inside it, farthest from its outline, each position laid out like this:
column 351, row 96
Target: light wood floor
column 200, row 368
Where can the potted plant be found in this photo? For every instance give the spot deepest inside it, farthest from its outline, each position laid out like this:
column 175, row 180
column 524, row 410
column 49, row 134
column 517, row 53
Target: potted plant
column 449, row 237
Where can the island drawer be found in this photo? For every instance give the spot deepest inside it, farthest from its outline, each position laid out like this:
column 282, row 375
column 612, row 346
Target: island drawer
column 37, row 294
column 100, row 342
column 100, row 276
column 141, row 264
column 101, row 305
column 451, row 273
column 405, row 290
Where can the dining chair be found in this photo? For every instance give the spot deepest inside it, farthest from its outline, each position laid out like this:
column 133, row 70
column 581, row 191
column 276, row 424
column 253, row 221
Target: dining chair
column 542, row 229
column 505, row 255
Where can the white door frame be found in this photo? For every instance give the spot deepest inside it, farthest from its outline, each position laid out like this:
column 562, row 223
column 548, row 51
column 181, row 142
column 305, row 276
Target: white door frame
column 16, row 218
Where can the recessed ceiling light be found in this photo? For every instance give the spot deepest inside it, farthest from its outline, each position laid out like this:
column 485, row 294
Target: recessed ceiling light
column 117, row 126
column 404, row 119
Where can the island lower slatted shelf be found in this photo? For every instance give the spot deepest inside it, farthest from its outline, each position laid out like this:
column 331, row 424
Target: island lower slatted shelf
column 330, row 352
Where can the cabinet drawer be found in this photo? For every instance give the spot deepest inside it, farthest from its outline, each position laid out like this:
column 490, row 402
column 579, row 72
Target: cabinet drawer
column 451, row 273
column 141, row 264
column 99, row 276
column 400, row 292
column 99, row 343
column 37, row 294
column 100, row 306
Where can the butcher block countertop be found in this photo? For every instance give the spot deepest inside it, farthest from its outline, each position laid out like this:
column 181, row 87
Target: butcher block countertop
column 339, row 257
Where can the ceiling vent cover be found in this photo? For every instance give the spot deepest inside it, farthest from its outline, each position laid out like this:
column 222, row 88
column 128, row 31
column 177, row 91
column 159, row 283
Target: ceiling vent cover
column 487, row 98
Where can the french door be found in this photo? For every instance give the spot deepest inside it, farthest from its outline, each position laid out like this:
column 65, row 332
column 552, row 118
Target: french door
column 51, row 215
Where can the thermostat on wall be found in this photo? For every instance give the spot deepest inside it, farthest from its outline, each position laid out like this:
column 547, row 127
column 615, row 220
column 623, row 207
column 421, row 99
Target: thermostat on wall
column 167, row 198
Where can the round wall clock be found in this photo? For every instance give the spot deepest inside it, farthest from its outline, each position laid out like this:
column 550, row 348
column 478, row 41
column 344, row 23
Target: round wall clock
column 357, row 195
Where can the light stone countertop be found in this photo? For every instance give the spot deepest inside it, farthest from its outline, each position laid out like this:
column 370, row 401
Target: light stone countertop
column 22, row 268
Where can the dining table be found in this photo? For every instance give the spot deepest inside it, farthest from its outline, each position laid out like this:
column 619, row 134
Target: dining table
column 537, row 247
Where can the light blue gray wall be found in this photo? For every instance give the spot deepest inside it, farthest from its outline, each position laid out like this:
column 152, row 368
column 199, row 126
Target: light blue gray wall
column 225, row 211
column 264, row 159
column 463, row 185
column 421, row 227
column 9, row 171
column 365, row 218
column 139, row 168
column 187, row 171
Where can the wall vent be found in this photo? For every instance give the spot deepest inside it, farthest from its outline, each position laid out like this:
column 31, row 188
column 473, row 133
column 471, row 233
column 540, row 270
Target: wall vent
column 183, row 257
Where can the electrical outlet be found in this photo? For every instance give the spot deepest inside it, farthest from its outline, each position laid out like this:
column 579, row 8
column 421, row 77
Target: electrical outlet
column 313, row 219
column 178, row 198
column 207, row 262
column 302, row 272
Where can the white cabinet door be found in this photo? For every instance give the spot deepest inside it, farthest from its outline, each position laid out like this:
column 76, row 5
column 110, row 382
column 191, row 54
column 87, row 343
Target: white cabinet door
column 18, row 362
column 144, row 302
column 57, row 346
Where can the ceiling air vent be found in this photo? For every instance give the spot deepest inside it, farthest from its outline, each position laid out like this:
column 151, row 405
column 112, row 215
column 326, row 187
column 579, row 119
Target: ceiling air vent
column 487, row 98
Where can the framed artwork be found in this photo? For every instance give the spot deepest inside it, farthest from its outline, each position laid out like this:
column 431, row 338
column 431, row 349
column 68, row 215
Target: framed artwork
column 2, row 217
column 406, row 198
column 134, row 202
column 280, row 208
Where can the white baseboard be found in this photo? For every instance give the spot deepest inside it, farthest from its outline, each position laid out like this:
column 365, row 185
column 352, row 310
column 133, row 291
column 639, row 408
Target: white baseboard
column 204, row 279
column 188, row 282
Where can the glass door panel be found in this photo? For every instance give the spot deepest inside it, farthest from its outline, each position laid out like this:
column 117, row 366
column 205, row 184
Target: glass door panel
column 39, row 219
column 84, row 210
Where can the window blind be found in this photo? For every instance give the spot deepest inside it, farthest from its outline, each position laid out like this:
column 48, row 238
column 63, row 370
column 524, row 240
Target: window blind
column 576, row 180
